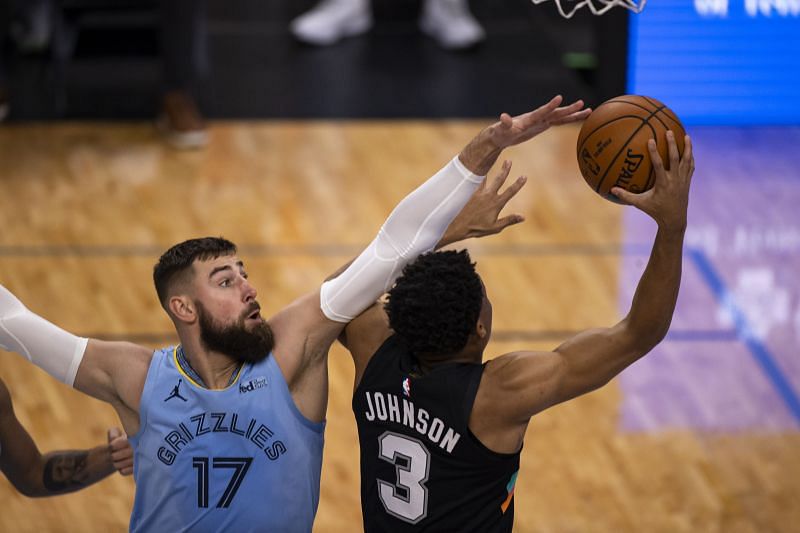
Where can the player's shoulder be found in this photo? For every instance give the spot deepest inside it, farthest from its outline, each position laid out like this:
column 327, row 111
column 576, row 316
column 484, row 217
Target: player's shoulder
column 517, row 368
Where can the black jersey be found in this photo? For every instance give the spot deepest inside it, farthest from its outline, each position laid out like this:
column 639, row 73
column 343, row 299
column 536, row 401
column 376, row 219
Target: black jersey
column 421, row 467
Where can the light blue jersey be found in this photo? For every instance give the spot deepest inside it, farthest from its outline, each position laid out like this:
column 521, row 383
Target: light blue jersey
column 238, row 459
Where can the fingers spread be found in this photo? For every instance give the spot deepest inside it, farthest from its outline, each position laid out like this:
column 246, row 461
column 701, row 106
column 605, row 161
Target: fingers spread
column 500, row 179
column 574, row 117
column 513, row 189
column 509, row 220
column 553, row 103
column 543, row 111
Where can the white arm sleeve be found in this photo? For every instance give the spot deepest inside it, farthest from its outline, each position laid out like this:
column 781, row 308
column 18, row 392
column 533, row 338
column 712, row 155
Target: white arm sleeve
column 49, row 347
column 415, row 226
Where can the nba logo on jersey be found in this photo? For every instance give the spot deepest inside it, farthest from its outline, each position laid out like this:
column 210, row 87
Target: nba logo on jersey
column 407, row 388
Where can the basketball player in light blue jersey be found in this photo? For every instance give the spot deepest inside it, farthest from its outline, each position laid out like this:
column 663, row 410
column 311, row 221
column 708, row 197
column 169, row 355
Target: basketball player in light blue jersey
column 228, row 426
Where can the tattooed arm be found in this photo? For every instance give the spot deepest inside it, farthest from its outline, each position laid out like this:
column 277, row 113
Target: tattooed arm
column 36, row 475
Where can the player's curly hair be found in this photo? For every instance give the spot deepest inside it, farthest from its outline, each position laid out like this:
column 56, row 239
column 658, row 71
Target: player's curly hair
column 435, row 304
column 180, row 257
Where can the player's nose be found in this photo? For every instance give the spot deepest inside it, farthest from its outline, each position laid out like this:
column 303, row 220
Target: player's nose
column 249, row 292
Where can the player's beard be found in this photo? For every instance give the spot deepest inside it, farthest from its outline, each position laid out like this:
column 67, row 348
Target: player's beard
column 235, row 340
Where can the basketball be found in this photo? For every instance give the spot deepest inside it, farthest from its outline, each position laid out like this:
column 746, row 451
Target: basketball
column 612, row 144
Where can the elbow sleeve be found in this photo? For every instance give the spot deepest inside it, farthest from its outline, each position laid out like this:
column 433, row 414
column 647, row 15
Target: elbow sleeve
column 415, row 226
column 57, row 352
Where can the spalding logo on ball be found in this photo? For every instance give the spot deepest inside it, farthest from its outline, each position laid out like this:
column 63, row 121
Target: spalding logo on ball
column 612, row 144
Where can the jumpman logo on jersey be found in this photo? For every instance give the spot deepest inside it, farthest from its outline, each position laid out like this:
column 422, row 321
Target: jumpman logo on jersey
column 176, row 392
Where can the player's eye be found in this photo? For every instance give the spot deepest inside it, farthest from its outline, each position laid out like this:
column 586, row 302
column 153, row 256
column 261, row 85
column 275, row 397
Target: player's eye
column 225, row 282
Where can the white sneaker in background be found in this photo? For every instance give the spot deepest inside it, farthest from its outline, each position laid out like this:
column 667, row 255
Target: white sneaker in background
column 332, row 20
column 451, row 24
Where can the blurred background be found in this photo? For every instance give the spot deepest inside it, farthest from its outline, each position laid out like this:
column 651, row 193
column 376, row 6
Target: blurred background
column 294, row 127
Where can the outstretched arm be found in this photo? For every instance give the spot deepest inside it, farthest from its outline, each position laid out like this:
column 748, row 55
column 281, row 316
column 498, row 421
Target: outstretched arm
column 110, row 371
column 113, row 372
column 305, row 329
column 418, row 223
column 531, row 381
column 60, row 472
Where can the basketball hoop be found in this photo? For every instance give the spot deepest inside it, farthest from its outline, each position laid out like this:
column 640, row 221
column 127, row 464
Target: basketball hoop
column 597, row 7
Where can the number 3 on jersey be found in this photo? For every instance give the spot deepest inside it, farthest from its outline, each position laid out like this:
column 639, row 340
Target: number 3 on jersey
column 407, row 497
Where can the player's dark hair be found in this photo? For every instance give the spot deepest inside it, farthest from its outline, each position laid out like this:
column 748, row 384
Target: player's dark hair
column 435, row 304
column 180, row 257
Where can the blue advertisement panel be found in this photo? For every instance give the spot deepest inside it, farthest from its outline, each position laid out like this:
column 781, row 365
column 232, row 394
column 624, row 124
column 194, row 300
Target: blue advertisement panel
column 719, row 61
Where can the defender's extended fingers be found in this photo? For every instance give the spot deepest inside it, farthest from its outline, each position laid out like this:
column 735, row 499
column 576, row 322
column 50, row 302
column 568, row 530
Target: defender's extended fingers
column 553, row 103
column 513, row 189
column 574, row 107
column 510, row 220
column 577, row 116
column 543, row 110
column 501, row 176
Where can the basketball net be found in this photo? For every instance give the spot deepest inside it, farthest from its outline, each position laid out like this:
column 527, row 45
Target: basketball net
column 597, row 7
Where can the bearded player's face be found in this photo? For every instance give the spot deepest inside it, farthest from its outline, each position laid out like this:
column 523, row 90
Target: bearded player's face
column 228, row 313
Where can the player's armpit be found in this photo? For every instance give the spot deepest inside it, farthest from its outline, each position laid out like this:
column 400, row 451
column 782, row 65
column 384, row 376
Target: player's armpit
column 114, row 372
column 303, row 335
column 520, row 384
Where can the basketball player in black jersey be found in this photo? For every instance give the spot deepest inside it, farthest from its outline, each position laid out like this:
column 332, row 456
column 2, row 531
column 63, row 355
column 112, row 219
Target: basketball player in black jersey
column 60, row 472
column 440, row 432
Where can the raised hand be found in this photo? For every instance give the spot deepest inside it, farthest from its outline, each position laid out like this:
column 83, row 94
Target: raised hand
column 482, row 151
column 121, row 451
column 481, row 215
column 514, row 130
column 668, row 201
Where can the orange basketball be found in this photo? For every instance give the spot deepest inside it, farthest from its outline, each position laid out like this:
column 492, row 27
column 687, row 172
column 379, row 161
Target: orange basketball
column 612, row 144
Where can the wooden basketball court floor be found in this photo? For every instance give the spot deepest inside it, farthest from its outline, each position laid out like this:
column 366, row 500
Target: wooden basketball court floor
column 702, row 435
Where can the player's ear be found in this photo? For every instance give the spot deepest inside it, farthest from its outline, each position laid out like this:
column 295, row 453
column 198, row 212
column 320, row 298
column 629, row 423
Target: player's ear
column 480, row 330
column 182, row 308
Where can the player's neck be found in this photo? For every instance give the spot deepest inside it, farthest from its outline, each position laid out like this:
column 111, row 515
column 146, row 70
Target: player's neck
column 214, row 368
column 467, row 355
